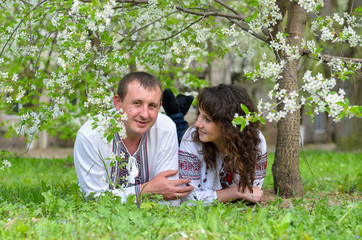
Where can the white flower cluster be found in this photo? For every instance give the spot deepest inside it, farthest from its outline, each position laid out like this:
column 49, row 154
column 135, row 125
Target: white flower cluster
column 267, row 70
column 148, row 14
column 340, row 67
column 57, row 82
column 233, row 34
column 57, row 17
column 289, row 99
column 311, row 5
column 182, row 47
column 98, row 99
column 310, row 45
column 348, row 33
column 73, row 55
column 30, row 123
column 102, row 121
column 338, row 19
column 267, row 18
column 101, row 61
column 202, row 33
column 56, row 111
column 20, row 95
column 291, row 102
column 327, row 34
column 104, row 14
column 112, row 157
column 275, row 116
column 75, row 7
column 5, row 164
column 322, row 96
column 280, row 44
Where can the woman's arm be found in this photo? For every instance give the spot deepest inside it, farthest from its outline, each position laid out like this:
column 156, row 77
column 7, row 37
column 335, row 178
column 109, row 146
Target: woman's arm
column 231, row 194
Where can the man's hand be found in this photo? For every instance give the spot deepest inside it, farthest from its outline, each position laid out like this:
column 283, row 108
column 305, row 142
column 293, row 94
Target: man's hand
column 169, row 189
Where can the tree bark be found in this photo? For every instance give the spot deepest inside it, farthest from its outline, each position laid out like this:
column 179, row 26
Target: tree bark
column 286, row 174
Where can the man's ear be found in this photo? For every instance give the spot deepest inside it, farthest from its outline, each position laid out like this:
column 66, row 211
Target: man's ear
column 117, row 102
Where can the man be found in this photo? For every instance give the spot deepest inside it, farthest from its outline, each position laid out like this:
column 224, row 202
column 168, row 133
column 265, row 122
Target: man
column 150, row 148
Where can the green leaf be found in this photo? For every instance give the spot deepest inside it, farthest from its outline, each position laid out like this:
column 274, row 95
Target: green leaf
column 245, row 109
column 113, row 122
column 356, row 110
column 242, row 125
column 341, row 104
column 212, row 221
column 109, row 138
column 262, row 120
column 49, row 198
column 285, row 222
column 341, row 115
column 251, row 17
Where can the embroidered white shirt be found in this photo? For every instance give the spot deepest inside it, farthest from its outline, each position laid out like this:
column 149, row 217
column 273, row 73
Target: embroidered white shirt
column 90, row 148
column 207, row 181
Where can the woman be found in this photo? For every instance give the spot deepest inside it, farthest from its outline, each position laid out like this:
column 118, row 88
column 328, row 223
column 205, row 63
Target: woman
column 222, row 162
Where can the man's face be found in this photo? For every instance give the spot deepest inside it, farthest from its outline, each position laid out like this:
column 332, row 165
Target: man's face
column 141, row 106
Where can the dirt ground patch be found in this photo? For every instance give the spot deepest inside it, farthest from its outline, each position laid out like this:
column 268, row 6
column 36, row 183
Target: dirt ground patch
column 334, row 198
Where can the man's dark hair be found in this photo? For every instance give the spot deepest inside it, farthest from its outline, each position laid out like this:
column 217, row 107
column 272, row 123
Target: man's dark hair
column 146, row 80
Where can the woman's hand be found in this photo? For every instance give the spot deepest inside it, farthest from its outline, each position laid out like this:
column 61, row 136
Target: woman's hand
column 231, row 194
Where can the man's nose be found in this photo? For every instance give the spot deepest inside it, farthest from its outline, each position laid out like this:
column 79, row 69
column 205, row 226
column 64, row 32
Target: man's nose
column 144, row 112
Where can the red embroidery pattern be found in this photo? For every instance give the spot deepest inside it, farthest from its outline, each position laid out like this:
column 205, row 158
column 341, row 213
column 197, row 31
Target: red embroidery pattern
column 189, row 166
column 260, row 168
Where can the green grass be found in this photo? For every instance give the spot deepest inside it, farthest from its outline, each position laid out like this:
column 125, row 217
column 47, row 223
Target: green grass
column 39, row 199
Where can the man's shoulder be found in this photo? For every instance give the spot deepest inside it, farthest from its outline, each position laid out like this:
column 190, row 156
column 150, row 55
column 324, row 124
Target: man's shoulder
column 164, row 121
column 163, row 125
column 87, row 129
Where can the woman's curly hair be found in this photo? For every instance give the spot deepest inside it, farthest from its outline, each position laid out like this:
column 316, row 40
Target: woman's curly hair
column 221, row 103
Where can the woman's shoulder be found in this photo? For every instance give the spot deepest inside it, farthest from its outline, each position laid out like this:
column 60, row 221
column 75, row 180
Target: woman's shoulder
column 262, row 144
column 188, row 135
column 188, row 144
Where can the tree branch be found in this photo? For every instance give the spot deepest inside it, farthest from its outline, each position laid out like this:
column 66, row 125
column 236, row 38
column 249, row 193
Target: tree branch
column 246, row 29
column 123, row 1
column 328, row 58
column 173, row 35
column 228, row 7
column 208, row 14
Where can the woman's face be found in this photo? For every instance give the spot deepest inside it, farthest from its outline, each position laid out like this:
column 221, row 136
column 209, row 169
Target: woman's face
column 208, row 130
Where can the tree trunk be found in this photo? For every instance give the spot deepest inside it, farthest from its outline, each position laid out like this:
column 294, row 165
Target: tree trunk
column 286, row 174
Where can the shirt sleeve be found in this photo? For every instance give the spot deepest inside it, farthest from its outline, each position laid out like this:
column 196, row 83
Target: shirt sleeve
column 261, row 165
column 167, row 158
column 190, row 168
column 92, row 168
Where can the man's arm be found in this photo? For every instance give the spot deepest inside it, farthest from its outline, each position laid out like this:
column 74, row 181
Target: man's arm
column 169, row 189
column 164, row 169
